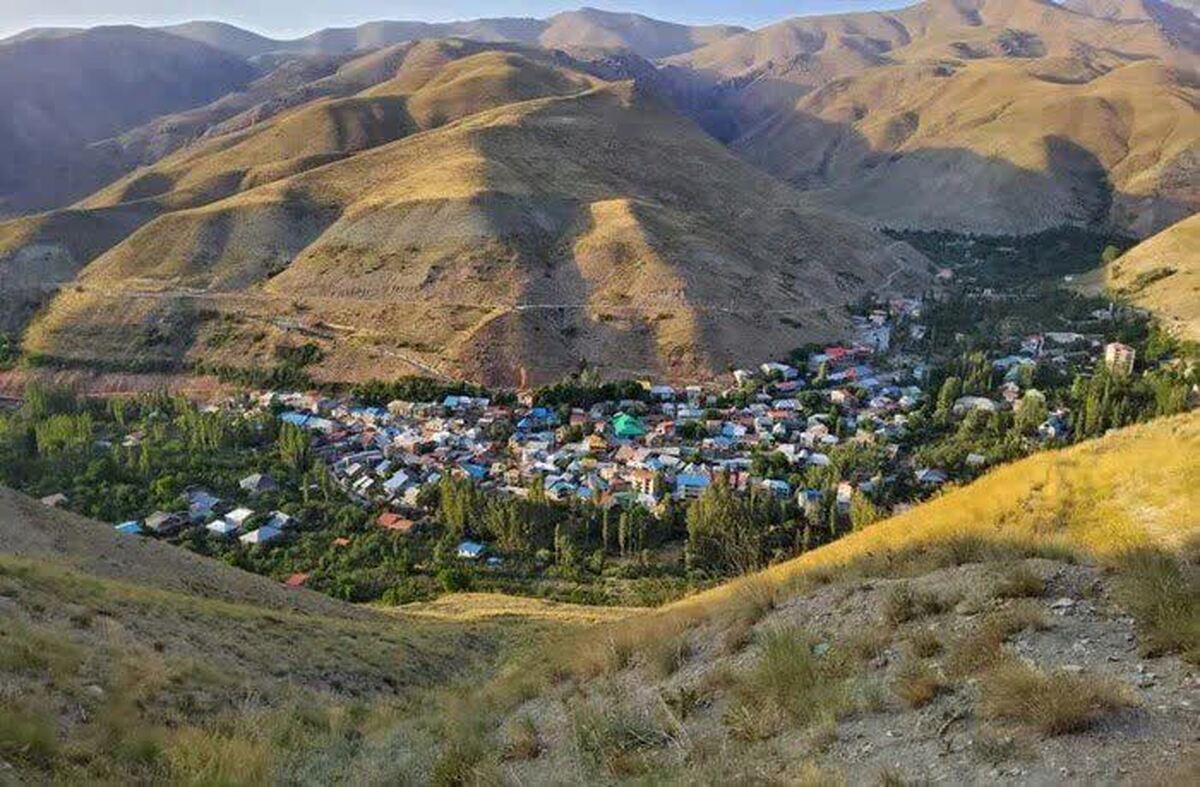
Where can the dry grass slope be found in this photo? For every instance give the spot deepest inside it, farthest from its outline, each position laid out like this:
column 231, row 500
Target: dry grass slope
column 126, row 660
column 940, row 637
column 591, row 226
column 1163, row 274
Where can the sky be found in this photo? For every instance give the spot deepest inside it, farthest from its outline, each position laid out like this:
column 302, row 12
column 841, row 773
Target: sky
column 291, row 18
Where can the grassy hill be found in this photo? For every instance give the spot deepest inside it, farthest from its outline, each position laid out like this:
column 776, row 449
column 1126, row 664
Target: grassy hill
column 988, row 116
column 128, row 660
column 576, row 221
column 1039, row 624
column 1161, row 274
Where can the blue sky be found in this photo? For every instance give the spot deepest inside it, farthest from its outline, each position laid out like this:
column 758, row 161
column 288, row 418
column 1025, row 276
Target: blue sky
column 297, row 17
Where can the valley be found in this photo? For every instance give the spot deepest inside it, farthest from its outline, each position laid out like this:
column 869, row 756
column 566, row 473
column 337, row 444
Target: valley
column 598, row 399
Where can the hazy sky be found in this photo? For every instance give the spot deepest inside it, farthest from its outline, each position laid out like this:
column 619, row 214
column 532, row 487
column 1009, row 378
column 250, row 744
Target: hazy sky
column 297, row 17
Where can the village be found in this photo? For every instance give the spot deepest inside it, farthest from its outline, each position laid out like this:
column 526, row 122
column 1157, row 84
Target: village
column 820, row 435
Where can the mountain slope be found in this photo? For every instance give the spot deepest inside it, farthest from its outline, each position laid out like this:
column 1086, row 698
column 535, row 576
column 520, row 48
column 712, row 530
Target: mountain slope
column 129, row 660
column 1041, row 623
column 598, row 227
column 64, row 92
column 1163, row 274
column 1091, row 114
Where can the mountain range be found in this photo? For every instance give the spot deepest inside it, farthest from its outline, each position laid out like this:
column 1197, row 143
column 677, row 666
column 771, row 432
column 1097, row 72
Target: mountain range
column 511, row 199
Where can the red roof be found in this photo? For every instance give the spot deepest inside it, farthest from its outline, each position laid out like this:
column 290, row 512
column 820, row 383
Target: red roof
column 390, row 521
column 296, row 580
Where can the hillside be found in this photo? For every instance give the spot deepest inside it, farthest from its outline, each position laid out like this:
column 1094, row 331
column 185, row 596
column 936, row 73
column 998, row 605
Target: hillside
column 594, row 226
column 1038, row 626
column 128, row 660
column 67, row 91
column 1163, row 274
column 1090, row 113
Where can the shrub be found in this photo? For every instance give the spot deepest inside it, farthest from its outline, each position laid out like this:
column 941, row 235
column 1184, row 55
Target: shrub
column 902, row 604
column 917, row 684
column 924, row 643
column 1020, row 581
column 1163, row 595
column 665, row 655
column 1054, row 704
column 613, row 736
column 788, row 683
column 27, row 738
column 982, row 648
column 524, row 743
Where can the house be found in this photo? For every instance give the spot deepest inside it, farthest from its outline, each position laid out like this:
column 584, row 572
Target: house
column 470, row 550
column 131, row 528
column 54, row 501
column 932, row 477
column 390, row 521
column 627, row 427
column 1119, row 358
column 780, row 371
column 966, row 404
column 163, row 523
column 296, row 580
column 261, row 537
column 222, row 528
column 201, row 504
column 238, row 517
column 258, row 483
column 280, row 521
column 689, row 486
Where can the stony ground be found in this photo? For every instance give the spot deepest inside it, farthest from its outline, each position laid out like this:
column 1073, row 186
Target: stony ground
column 1076, row 626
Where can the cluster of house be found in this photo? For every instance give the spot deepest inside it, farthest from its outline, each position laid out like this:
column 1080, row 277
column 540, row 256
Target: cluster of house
column 221, row 520
column 673, row 442
column 670, row 443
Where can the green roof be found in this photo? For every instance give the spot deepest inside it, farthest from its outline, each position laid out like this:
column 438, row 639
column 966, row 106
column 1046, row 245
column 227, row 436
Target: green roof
column 625, row 425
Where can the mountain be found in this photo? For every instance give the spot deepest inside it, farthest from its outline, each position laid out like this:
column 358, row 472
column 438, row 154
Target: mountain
column 971, row 115
column 587, row 28
column 226, row 37
column 64, row 92
column 541, row 218
column 1162, row 274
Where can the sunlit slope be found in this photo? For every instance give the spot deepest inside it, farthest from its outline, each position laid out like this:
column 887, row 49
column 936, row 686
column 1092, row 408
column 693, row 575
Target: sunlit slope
column 1163, row 274
column 989, row 116
column 1133, row 488
column 599, row 228
column 996, row 146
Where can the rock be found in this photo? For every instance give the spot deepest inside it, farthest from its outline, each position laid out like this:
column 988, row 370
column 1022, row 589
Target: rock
column 1074, row 669
column 820, row 649
column 95, row 691
column 1063, row 603
column 1113, row 657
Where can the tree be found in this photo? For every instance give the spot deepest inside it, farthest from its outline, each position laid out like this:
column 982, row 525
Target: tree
column 949, row 393
column 862, row 511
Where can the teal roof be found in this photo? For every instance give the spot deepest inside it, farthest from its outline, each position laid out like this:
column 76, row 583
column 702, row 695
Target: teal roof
column 625, row 425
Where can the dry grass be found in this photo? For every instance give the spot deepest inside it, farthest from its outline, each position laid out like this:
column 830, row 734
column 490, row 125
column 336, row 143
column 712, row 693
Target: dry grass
column 917, row 684
column 788, row 685
column 1163, row 594
column 903, row 603
column 923, row 643
column 983, row 646
column 1020, row 581
column 1052, row 703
